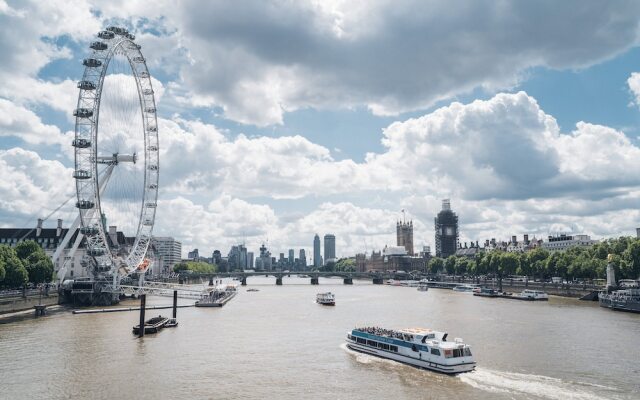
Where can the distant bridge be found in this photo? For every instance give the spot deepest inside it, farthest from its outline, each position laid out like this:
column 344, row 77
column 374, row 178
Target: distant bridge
column 314, row 276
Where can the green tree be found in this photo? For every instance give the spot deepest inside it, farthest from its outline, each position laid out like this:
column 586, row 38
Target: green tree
column 631, row 255
column 179, row 267
column 15, row 273
column 509, row 263
column 41, row 271
column 436, row 265
column 450, row 265
column 463, row 266
column 197, row 267
column 346, row 265
column 537, row 259
column 38, row 265
column 26, row 248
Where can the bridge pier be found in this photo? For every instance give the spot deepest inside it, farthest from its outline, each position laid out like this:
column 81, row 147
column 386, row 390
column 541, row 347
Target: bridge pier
column 378, row 281
column 243, row 281
column 279, row 280
column 348, row 281
column 314, row 281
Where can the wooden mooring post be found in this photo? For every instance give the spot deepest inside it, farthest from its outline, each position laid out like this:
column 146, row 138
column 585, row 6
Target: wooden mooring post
column 175, row 303
column 143, row 301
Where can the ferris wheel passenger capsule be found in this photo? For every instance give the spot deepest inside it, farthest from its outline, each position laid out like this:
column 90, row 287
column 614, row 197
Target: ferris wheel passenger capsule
column 81, row 174
column 91, row 62
column 106, row 35
column 86, row 85
column 89, row 230
column 81, row 143
column 82, row 112
column 98, row 46
column 85, row 204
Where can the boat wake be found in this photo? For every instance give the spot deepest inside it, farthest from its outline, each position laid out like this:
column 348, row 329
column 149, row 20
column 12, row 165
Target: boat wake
column 535, row 386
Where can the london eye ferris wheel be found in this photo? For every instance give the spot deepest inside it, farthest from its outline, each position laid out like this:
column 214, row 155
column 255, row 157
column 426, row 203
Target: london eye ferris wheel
column 116, row 155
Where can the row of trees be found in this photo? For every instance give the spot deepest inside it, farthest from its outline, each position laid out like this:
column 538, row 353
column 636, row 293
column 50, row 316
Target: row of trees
column 27, row 262
column 582, row 263
column 197, row 267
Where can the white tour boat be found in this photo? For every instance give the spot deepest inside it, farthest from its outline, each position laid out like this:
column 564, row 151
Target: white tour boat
column 326, row 299
column 528, row 294
column 422, row 287
column 419, row 347
column 464, row 288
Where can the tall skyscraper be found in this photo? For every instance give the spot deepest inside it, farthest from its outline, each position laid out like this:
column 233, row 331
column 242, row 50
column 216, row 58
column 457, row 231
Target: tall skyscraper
column 404, row 235
column 250, row 260
column 329, row 248
column 446, row 226
column 303, row 259
column 317, row 261
column 292, row 256
column 265, row 261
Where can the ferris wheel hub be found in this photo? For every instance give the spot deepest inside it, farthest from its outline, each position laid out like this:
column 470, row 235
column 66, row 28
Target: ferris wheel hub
column 117, row 158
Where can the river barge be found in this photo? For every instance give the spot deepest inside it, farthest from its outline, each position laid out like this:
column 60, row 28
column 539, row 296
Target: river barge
column 527, row 295
column 218, row 297
column 152, row 325
column 621, row 300
column 418, row 347
column 486, row 292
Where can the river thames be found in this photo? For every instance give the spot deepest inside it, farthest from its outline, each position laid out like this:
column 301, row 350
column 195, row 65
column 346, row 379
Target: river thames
column 278, row 344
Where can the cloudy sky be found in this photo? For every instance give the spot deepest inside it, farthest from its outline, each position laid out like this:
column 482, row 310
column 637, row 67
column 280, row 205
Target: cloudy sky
column 282, row 119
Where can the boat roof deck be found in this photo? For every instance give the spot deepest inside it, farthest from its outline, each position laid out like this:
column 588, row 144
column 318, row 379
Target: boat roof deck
column 416, row 331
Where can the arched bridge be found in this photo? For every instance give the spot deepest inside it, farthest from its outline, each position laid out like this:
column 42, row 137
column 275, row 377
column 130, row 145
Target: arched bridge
column 377, row 278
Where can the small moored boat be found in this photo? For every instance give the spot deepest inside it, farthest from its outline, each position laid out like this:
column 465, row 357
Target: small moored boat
column 171, row 323
column 326, row 299
column 152, row 325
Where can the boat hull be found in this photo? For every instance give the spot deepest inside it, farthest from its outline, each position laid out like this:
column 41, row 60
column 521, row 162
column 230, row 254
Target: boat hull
column 326, row 303
column 414, row 362
column 620, row 305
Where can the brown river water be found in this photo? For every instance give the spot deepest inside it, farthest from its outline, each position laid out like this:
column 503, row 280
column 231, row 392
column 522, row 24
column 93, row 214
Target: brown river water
column 278, row 344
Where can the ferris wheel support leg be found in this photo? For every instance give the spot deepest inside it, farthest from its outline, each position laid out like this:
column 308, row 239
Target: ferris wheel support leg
column 65, row 240
column 63, row 271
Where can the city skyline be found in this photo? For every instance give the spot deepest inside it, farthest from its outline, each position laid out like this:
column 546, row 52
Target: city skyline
column 509, row 137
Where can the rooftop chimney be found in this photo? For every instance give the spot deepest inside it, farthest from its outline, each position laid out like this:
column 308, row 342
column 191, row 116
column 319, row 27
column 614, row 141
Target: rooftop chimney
column 59, row 229
column 39, row 227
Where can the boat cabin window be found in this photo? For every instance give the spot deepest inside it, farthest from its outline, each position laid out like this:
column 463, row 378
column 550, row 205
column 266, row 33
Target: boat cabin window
column 435, row 351
column 394, row 348
column 467, row 352
column 383, row 346
column 372, row 343
column 361, row 340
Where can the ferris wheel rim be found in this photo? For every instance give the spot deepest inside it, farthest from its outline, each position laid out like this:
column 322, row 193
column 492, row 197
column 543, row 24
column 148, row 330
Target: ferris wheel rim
column 112, row 41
